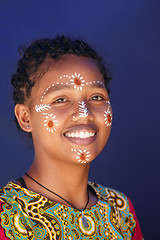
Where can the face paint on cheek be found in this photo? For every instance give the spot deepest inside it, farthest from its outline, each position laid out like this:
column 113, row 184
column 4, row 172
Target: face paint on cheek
column 78, row 81
column 108, row 115
column 50, row 122
column 82, row 155
column 83, row 110
column 42, row 107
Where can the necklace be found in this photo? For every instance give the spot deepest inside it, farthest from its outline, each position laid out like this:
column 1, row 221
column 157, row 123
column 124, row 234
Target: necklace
column 84, row 219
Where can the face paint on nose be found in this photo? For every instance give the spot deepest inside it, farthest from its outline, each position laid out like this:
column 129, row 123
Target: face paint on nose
column 108, row 115
column 82, row 155
column 83, row 110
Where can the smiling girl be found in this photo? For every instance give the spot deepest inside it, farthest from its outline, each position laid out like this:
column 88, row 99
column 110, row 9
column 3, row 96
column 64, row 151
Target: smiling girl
column 62, row 100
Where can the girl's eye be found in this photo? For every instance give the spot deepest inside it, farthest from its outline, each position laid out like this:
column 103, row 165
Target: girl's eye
column 97, row 98
column 60, row 100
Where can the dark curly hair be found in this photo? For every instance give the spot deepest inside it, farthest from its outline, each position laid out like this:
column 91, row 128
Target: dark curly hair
column 39, row 52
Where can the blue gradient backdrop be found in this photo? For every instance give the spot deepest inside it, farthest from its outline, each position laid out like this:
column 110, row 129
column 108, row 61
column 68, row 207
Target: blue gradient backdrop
column 126, row 34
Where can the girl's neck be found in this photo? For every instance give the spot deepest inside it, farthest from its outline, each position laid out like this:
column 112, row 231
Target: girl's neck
column 67, row 180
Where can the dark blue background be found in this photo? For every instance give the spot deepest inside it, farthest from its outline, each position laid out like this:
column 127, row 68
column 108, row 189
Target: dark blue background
column 126, row 34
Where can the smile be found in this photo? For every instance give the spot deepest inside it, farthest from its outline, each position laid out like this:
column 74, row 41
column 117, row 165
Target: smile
column 81, row 134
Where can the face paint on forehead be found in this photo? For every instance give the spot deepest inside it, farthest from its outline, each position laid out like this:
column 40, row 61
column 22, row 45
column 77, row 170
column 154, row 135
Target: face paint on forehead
column 82, row 155
column 108, row 115
column 83, row 110
column 75, row 80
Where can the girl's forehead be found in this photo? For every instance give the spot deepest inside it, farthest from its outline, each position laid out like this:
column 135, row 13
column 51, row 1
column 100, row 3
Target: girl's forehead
column 71, row 72
column 71, row 68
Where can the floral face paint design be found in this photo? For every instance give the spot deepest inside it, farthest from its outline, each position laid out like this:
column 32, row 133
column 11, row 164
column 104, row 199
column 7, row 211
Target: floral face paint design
column 108, row 115
column 82, row 155
column 75, row 80
column 83, row 110
column 78, row 81
column 50, row 122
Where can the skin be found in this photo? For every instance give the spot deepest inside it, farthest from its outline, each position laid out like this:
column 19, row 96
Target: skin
column 55, row 165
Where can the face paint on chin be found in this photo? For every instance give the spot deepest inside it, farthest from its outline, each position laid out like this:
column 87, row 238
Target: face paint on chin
column 82, row 155
column 108, row 115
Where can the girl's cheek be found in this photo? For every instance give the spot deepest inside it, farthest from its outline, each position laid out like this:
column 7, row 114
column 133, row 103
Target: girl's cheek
column 48, row 117
column 108, row 115
column 104, row 114
column 50, row 122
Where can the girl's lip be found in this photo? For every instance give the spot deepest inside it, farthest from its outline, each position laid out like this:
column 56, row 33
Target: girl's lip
column 80, row 141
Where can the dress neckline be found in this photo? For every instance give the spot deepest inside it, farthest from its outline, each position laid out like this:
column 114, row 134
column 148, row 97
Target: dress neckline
column 12, row 184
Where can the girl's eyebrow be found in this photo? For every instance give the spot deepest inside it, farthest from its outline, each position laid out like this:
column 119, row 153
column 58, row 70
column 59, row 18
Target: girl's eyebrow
column 59, row 87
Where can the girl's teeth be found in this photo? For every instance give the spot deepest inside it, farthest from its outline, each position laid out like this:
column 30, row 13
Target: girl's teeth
column 81, row 135
column 87, row 134
column 76, row 134
column 72, row 135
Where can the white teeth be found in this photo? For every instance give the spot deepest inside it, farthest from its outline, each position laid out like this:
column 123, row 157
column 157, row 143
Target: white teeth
column 81, row 135
column 72, row 135
column 92, row 134
column 76, row 134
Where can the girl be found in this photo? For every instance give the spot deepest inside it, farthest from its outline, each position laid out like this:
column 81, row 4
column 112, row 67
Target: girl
column 61, row 100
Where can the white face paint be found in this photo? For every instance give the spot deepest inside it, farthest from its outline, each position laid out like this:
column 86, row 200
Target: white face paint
column 83, row 110
column 50, row 122
column 82, row 155
column 108, row 115
column 42, row 107
column 77, row 81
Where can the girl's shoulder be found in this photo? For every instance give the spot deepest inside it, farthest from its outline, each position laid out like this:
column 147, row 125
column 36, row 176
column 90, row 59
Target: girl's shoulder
column 111, row 195
column 121, row 206
column 12, row 193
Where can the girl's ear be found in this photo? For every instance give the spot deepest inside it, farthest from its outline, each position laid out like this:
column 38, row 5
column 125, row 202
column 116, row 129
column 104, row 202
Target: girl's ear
column 23, row 117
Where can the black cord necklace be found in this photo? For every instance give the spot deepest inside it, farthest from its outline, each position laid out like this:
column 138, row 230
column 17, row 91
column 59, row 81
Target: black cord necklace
column 84, row 219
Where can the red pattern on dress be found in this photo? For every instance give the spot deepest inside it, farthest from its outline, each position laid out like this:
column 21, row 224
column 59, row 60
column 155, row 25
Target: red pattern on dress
column 2, row 231
column 137, row 231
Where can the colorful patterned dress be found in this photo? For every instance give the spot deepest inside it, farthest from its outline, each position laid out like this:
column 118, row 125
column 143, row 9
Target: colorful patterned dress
column 27, row 215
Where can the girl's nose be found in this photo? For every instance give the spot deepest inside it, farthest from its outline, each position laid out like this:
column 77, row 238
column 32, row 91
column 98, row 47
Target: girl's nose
column 82, row 112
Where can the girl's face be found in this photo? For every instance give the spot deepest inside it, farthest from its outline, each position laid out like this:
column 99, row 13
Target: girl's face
column 70, row 111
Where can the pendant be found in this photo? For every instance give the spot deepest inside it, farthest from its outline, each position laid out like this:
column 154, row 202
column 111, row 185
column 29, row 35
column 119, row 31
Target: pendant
column 85, row 221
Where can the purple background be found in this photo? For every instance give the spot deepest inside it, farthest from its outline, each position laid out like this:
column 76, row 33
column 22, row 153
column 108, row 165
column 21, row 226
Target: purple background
column 126, row 35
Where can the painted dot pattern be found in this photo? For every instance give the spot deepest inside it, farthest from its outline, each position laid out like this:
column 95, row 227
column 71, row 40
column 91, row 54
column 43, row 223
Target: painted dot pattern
column 75, row 79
